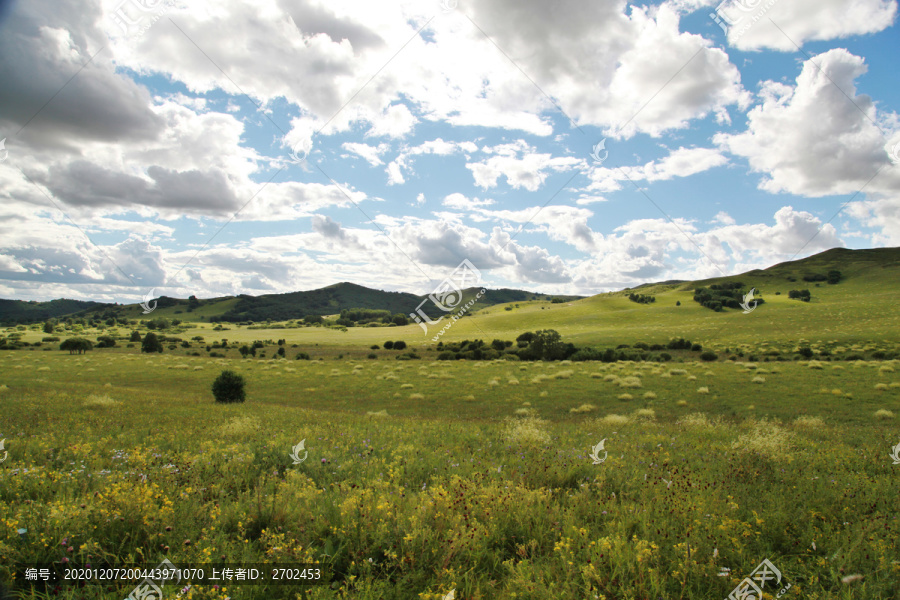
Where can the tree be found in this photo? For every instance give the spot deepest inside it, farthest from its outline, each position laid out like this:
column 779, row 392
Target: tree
column 400, row 320
column 244, row 350
column 546, row 345
column 229, row 387
column 151, row 343
column 193, row 302
column 834, row 276
column 48, row 326
column 135, row 336
column 524, row 339
column 76, row 345
column 106, row 341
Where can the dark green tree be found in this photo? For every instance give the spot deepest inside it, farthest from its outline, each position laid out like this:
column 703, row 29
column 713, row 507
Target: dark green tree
column 151, row 343
column 76, row 345
column 106, row 341
column 229, row 387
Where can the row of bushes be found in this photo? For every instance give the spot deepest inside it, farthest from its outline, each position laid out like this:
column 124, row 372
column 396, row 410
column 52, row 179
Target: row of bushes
column 722, row 295
column 641, row 298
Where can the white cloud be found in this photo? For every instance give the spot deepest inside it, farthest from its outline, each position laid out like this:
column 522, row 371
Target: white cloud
column 372, row 154
column 817, row 138
column 528, row 171
column 461, row 202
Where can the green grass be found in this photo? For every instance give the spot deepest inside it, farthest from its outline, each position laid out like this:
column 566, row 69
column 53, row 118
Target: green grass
column 418, row 489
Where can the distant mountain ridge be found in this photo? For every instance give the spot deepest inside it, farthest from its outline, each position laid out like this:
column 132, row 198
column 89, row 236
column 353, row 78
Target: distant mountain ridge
column 334, row 298
column 328, row 300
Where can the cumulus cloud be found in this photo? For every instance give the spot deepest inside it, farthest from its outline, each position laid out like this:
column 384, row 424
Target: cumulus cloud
column 520, row 164
column 819, row 137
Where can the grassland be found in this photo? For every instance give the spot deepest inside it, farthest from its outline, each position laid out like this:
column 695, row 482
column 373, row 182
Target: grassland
column 424, row 477
column 427, row 476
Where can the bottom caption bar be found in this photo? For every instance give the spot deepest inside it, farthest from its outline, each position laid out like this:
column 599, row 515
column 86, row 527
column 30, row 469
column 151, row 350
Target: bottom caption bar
column 151, row 581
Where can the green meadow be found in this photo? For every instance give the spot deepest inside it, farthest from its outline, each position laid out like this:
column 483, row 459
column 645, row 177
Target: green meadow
column 434, row 479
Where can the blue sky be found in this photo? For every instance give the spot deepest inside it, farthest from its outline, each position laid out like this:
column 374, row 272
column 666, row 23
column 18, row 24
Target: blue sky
column 163, row 154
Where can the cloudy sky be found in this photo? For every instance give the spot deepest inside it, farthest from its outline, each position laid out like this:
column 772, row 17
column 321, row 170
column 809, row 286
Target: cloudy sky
column 259, row 146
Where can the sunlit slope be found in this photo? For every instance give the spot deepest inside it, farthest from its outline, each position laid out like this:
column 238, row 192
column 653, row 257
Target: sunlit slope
column 862, row 306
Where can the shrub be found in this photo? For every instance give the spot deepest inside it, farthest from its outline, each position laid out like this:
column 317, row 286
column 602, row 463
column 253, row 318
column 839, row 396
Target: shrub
column 389, row 345
column 708, row 356
column 696, row 348
column 401, row 345
column 805, row 351
column 52, row 338
column 807, row 421
column 374, row 347
column 302, row 356
column 527, row 431
column 106, row 341
column 229, row 387
column 767, row 439
column 372, row 355
column 151, row 343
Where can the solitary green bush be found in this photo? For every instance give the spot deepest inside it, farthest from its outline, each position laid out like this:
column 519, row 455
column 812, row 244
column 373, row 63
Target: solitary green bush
column 151, row 343
column 708, row 356
column 229, row 387
column 302, row 356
